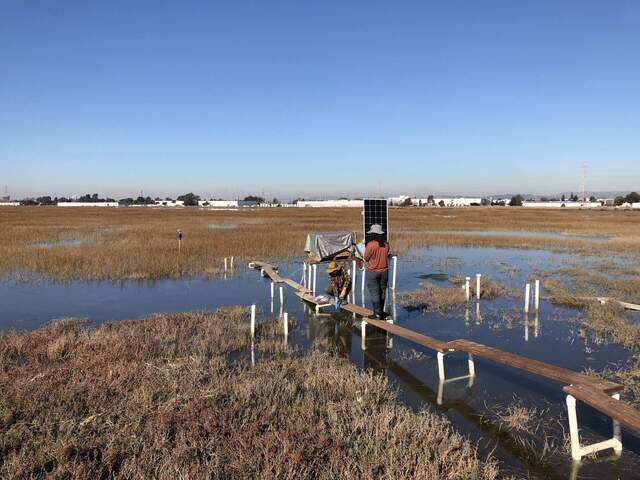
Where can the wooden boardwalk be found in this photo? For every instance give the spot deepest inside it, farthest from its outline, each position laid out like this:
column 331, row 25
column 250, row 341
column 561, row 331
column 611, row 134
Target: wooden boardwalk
column 595, row 392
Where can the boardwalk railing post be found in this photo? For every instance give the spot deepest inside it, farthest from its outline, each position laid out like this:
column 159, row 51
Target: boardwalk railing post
column 253, row 320
column 478, row 277
column 527, row 290
column 537, row 296
column 466, row 288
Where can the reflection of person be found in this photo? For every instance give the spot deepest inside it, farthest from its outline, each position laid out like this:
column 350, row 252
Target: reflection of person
column 339, row 283
column 376, row 254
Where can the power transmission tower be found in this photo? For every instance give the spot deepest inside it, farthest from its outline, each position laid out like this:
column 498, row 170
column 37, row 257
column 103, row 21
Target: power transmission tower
column 583, row 185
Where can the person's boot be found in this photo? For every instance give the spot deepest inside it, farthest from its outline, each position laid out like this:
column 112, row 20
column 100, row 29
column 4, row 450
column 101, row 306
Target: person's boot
column 376, row 311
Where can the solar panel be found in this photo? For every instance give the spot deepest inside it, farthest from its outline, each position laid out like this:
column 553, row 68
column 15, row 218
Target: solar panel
column 375, row 211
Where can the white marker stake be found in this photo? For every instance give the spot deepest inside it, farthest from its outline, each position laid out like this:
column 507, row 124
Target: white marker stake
column 315, row 275
column 309, row 282
column 466, row 288
column 273, row 287
column 537, row 295
column 232, row 263
column 527, row 290
column 225, row 264
column 286, row 323
column 304, row 274
column 281, row 296
column 253, row 321
column 354, row 269
column 478, row 277
column 395, row 268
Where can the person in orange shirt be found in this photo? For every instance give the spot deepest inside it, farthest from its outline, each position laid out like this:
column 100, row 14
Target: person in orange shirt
column 376, row 254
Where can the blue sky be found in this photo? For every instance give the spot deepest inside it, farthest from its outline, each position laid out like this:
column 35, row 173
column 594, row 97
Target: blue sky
column 318, row 97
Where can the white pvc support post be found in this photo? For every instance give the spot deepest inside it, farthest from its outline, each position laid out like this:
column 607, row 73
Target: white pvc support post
column 253, row 320
column 309, row 280
column 281, row 296
column 478, row 277
column 573, row 428
column 466, row 288
column 472, row 365
column 285, row 319
column 389, row 336
column 354, row 269
column 363, row 335
column 395, row 269
column 364, row 272
column 304, row 274
column 616, row 430
column 273, row 287
column 536, row 305
column 315, row 276
column 225, row 264
column 231, row 262
column 441, row 365
column 527, row 292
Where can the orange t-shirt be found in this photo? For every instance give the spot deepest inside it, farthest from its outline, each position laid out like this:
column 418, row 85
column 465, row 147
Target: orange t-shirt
column 376, row 256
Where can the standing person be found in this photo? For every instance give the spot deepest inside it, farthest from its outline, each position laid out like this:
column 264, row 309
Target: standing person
column 376, row 254
column 339, row 283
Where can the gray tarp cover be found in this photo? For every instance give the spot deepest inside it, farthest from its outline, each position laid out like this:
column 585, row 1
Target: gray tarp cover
column 323, row 246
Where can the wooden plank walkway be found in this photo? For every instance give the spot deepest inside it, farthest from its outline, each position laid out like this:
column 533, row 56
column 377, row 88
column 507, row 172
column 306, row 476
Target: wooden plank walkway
column 592, row 391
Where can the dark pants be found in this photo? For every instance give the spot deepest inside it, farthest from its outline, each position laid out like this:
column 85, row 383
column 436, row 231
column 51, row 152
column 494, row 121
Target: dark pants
column 377, row 286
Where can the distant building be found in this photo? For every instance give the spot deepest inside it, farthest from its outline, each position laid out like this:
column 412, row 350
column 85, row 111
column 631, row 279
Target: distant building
column 456, row 202
column 560, row 204
column 218, row 203
column 87, row 204
column 168, row 203
column 635, row 205
column 6, row 203
column 330, row 203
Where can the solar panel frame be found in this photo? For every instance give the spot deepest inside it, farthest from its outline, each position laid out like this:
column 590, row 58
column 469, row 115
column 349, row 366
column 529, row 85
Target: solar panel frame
column 376, row 210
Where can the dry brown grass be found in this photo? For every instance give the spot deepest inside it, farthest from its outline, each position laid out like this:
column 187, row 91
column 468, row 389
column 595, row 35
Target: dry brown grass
column 161, row 398
column 578, row 288
column 141, row 243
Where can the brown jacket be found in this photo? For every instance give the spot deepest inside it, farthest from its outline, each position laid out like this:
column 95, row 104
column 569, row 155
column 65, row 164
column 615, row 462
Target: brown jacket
column 377, row 256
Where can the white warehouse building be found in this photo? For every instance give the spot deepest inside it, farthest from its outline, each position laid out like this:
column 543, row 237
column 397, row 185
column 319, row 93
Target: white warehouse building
column 330, row 203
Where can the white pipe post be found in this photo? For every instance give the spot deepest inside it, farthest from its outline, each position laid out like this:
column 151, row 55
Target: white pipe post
column 616, row 430
column 527, row 290
column 354, row 269
column 304, row 274
column 537, row 296
column 363, row 334
column 225, row 264
column 364, row 272
column 253, row 320
column 231, row 262
column 281, row 296
column 472, row 365
column 441, row 365
column 315, row 276
column 573, row 428
column 273, row 287
column 478, row 277
column 466, row 288
column 395, row 268
column 309, row 281
column 285, row 319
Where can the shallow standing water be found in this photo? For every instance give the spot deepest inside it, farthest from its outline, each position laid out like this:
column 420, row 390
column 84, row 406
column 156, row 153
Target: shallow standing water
column 552, row 337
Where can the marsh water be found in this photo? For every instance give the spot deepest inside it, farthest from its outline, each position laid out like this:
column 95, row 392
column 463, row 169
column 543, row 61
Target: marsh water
column 552, row 336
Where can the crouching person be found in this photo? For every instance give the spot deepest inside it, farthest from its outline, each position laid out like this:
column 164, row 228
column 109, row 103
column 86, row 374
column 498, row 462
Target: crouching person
column 339, row 283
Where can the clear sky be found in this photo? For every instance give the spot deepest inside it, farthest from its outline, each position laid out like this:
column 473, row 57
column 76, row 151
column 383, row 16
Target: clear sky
column 318, row 97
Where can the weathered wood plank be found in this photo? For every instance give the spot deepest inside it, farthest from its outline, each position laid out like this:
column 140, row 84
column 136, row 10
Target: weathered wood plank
column 616, row 409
